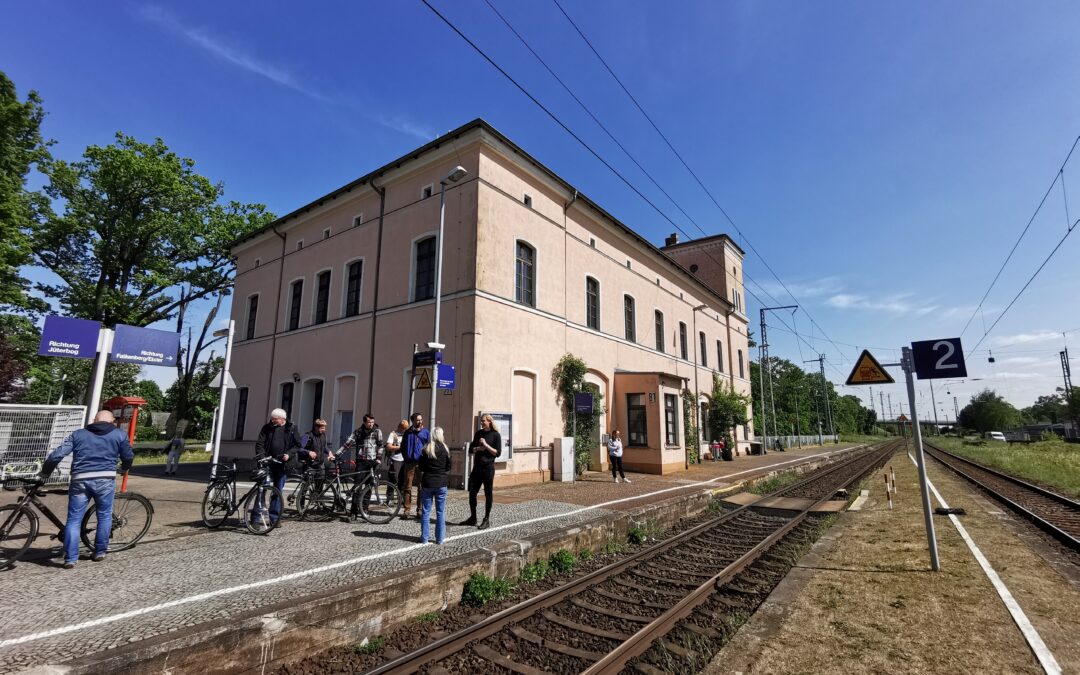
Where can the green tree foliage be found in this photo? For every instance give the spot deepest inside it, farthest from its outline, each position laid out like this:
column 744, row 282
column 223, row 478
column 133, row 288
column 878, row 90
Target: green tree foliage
column 1050, row 408
column 691, row 410
column 21, row 148
column 567, row 379
column 988, row 411
column 141, row 234
column 151, row 392
column 200, row 404
column 727, row 410
column 799, row 402
column 18, row 346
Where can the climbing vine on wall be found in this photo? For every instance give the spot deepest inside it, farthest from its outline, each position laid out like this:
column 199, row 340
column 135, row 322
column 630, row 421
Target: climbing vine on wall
column 690, row 427
column 568, row 378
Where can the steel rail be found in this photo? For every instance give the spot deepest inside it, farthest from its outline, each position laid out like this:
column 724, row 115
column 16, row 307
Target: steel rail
column 1040, row 521
column 641, row 641
column 456, row 642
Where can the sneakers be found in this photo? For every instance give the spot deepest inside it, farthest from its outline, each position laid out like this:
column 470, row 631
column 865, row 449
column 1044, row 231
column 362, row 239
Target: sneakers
column 616, row 478
column 626, row 480
column 69, row 566
column 98, row 557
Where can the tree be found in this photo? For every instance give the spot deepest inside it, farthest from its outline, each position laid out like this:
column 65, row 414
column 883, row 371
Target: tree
column 989, row 412
column 200, row 404
column 141, row 235
column 149, row 391
column 727, row 410
column 21, row 148
column 1049, row 408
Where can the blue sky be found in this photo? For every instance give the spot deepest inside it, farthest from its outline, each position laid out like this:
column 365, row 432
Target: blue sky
column 883, row 158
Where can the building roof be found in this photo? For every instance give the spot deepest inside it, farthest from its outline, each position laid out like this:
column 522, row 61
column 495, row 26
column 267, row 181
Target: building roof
column 453, row 135
column 694, row 243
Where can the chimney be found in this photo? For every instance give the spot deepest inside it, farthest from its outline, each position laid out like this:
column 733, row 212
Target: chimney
column 672, row 240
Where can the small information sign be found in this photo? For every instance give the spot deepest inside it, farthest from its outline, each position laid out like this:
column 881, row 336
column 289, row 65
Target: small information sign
column 583, row 403
column 447, row 376
column 935, row 359
column 867, row 370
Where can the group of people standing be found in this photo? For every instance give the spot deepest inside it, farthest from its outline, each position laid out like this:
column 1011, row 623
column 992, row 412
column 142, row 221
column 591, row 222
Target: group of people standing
column 411, row 454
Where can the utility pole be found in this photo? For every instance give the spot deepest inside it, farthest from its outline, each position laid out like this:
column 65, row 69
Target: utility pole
column 933, row 402
column 1066, row 373
column 956, row 410
column 891, row 414
column 763, row 352
column 825, row 391
column 881, row 399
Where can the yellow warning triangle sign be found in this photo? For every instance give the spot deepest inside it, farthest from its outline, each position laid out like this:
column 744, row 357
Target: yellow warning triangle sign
column 867, row 370
column 425, row 379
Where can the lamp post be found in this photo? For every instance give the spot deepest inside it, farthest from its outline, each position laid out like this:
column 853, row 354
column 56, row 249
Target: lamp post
column 456, row 174
column 697, row 391
column 219, row 420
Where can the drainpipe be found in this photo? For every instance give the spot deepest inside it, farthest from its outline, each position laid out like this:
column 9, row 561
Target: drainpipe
column 375, row 302
column 277, row 318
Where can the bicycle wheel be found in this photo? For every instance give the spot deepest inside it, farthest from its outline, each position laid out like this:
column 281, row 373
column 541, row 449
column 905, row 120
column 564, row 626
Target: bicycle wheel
column 217, row 504
column 131, row 517
column 380, row 502
column 257, row 509
column 18, row 527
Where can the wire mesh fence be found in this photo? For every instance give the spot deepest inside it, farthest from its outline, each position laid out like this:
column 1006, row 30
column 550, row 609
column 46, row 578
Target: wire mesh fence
column 29, row 432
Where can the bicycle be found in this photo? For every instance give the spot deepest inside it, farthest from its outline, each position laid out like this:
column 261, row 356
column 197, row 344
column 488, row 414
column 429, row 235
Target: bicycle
column 219, row 502
column 132, row 514
column 374, row 499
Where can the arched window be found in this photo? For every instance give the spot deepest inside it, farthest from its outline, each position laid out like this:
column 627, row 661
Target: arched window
column 659, row 318
column 701, row 349
column 629, row 318
column 424, row 279
column 525, row 275
column 592, row 303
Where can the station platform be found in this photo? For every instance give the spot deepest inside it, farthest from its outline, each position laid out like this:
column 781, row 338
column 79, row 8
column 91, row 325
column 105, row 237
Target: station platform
column 187, row 599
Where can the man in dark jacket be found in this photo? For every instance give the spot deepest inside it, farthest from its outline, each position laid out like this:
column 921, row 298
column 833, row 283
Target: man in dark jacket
column 412, row 445
column 94, row 451
column 280, row 440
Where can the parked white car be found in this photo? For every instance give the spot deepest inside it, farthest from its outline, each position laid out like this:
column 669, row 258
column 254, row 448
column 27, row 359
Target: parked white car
column 995, row 436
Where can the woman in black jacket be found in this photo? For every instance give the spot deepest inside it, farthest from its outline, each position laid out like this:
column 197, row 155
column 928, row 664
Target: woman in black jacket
column 485, row 447
column 435, row 467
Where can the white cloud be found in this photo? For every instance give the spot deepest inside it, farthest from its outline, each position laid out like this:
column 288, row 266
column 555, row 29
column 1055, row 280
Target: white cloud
column 1026, row 338
column 228, row 52
column 901, row 304
column 406, row 126
column 811, row 288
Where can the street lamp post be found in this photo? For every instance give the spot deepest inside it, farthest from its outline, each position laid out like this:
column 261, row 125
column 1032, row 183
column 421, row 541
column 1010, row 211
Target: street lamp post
column 219, row 417
column 456, row 174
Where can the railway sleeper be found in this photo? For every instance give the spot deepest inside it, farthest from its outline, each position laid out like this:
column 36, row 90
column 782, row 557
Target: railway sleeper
column 612, row 613
column 630, row 601
column 647, row 589
column 584, row 628
column 554, row 646
column 489, row 654
column 668, row 580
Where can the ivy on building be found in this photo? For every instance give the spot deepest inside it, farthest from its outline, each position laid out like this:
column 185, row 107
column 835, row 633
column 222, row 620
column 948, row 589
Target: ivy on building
column 690, row 426
column 727, row 410
column 568, row 378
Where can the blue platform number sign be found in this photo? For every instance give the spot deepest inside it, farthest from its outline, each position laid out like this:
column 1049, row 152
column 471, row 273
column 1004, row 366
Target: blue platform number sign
column 447, row 376
column 144, row 346
column 70, row 338
column 935, row 359
column 583, row 403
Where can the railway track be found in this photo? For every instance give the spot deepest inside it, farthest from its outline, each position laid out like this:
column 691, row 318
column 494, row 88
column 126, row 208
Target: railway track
column 1056, row 514
column 621, row 617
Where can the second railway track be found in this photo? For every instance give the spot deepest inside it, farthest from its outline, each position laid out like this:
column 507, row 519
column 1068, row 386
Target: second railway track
column 613, row 619
column 1056, row 514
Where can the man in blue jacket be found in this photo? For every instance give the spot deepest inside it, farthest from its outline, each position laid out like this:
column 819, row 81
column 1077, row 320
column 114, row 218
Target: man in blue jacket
column 94, row 451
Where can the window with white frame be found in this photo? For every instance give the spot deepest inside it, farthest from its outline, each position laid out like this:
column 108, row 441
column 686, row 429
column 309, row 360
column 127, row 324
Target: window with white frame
column 296, row 298
column 355, row 274
column 629, row 319
column 701, row 349
column 358, row 220
column 322, row 296
column 427, row 191
column 525, row 274
column 684, row 352
column 252, row 315
column 658, row 318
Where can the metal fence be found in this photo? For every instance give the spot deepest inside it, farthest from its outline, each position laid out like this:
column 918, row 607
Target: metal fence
column 29, row 432
column 798, row 441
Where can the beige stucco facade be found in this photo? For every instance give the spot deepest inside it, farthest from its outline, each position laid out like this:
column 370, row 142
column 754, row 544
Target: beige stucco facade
column 357, row 341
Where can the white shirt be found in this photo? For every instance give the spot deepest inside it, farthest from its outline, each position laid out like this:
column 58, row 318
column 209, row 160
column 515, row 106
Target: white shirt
column 395, row 439
column 614, row 447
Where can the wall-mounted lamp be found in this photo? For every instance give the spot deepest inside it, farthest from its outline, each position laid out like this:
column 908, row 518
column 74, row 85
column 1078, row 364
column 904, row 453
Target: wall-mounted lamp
column 296, row 377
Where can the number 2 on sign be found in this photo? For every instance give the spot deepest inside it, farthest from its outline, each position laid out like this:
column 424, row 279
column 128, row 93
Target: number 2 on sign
column 949, row 351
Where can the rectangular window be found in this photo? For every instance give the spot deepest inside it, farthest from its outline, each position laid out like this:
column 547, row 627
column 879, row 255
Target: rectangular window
column 299, row 244
column 742, row 373
column 701, row 349
column 682, row 341
column 296, row 296
column 316, row 401
column 253, row 313
column 424, row 286
column 628, row 318
column 357, row 221
column 286, row 399
column 671, row 415
column 352, row 288
column 322, row 296
column 524, row 277
column 637, row 431
column 720, row 356
column 426, row 191
column 241, row 413
column 258, row 261
column 592, row 303
column 703, row 419
column 326, row 233
column 659, row 331
column 527, row 200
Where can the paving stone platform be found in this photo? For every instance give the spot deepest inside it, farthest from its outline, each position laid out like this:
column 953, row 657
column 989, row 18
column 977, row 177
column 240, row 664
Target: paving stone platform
column 183, row 575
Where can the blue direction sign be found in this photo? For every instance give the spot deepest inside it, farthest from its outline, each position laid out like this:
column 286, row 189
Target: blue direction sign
column 447, row 376
column 70, row 338
column 144, row 346
column 935, row 359
column 428, row 358
column 583, row 403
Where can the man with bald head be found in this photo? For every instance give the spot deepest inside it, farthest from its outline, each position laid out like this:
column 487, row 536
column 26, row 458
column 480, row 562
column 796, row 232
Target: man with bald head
column 95, row 451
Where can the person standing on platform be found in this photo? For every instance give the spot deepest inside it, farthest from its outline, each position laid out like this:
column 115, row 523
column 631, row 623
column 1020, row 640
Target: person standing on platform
column 485, row 447
column 94, row 451
column 175, row 448
column 394, row 457
column 279, row 440
column 434, row 481
column 317, row 452
column 412, row 446
column 614, row 451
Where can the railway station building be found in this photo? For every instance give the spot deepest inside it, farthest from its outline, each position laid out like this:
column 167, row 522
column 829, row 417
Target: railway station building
column 330, row 300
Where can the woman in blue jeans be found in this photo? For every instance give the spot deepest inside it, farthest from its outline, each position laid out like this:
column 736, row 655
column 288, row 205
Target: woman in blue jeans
column 435, row 478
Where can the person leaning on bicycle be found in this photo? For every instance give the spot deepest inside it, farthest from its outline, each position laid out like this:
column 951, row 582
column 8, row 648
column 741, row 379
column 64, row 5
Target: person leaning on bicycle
column 368, row 443
column 94, row 451
column 279, row 440
column 316, row 445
